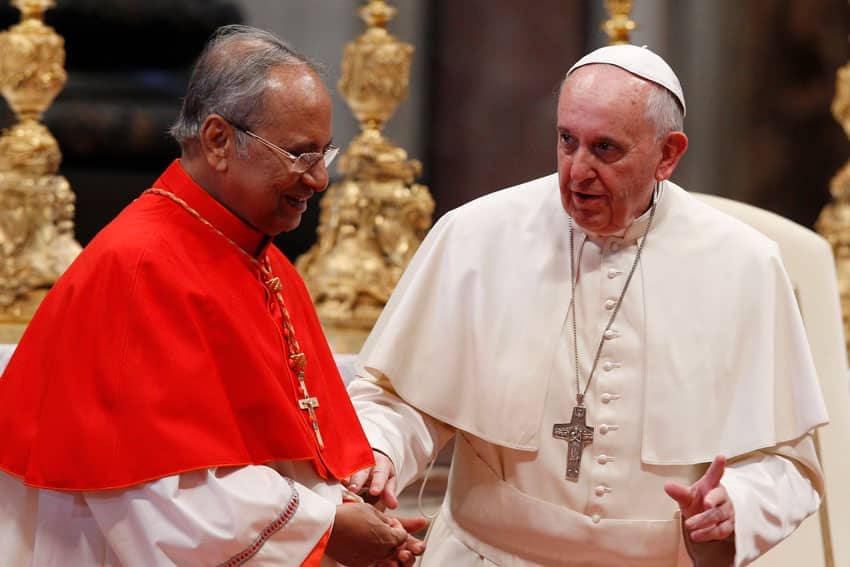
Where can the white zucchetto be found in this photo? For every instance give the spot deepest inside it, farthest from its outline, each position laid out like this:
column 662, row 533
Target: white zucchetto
column 638, row 61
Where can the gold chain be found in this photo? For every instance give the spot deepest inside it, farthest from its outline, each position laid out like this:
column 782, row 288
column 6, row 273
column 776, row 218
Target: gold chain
column 297, row 359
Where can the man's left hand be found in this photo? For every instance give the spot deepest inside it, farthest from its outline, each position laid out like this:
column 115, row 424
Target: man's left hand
column 377, row 482
column 706, row 509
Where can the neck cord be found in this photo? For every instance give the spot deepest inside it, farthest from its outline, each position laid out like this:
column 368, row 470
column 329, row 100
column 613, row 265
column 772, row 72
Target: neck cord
column 580, row 394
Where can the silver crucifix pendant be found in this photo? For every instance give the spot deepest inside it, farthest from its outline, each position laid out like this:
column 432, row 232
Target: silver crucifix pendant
column 577, row 434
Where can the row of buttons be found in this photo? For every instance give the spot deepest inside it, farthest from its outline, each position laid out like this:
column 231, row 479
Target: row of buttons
column 608, row 366
column 606, row 397
column 601, row 490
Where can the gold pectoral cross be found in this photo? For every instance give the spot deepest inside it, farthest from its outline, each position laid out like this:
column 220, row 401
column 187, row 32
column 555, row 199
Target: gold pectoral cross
column 308, row 403
column 577, row 434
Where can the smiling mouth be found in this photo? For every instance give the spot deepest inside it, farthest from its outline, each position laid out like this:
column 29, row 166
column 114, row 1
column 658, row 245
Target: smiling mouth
column 299, row 204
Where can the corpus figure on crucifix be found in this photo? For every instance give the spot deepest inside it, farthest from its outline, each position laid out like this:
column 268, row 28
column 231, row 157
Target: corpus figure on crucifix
column 577, row 434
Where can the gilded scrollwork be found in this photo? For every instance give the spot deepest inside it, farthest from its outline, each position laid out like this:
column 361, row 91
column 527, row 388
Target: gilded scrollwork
column 841, row 103
column 36, row 204
column 834, row 220
column 375, row 69
column 834, row 224
column 32, row 66
column 373, row 220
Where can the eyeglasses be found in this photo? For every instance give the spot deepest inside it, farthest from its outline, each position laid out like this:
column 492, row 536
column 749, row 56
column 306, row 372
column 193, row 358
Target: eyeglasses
column 301, row 163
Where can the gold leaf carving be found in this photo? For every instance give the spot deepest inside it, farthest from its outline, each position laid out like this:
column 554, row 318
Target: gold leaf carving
column 36, row 205
column 373, row 220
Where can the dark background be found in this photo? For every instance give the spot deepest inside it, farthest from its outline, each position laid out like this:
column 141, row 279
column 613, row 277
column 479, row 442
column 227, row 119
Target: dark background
column 492, row 69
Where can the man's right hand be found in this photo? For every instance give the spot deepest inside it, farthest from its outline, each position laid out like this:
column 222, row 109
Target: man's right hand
column 378, row 481
column 362, row 535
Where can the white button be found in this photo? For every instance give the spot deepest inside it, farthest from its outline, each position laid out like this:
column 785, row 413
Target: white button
column 595, row 518
column 612, row 273
column 610, row 304
column 606, row 397
column 607, row 366
column 605, row 428
column 609, row 334
column 602, row 459
column 600, row 490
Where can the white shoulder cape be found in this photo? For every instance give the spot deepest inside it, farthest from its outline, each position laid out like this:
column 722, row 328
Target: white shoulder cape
column 470, row 333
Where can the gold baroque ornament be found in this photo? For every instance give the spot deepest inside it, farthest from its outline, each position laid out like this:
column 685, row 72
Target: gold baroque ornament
column 834, row 220
column 833, row 223
column 36, row 205
column 373, row 220
column 619, row 25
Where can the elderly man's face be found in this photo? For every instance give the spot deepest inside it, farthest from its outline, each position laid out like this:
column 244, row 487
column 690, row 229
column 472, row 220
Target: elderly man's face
column 260, row 186
column 608, row 155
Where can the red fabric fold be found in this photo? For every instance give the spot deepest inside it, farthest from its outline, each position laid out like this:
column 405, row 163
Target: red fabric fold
column 160, row 351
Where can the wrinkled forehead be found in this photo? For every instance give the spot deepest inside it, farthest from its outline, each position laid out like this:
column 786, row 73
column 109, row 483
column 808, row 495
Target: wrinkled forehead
column 601, row 86
column 603, row 99
column 638, row 61
column 601, row 79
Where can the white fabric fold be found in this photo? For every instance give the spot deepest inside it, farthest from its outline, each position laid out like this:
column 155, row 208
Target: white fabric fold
column 771, row 499
column 470, row 334
column 204, row 517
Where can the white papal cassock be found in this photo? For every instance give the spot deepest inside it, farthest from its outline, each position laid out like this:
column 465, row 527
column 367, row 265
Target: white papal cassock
column 707, row 356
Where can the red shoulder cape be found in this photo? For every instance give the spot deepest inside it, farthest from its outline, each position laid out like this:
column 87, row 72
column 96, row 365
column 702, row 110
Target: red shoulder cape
column 160, row 351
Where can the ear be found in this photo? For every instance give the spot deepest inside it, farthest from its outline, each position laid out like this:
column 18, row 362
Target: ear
column 217, row 140
column 672, row 150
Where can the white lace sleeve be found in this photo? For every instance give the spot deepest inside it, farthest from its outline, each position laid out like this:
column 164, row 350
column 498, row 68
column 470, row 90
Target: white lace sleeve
column 213, row 517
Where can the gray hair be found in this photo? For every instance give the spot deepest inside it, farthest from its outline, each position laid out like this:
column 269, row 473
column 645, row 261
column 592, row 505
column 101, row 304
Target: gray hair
column 662, row 108
column 664, row 111
column 230, row 79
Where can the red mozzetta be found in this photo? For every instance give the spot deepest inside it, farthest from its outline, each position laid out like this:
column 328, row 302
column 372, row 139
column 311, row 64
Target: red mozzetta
column 160, row 351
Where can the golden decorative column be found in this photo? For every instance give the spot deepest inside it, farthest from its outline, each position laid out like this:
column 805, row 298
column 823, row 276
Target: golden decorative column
column 36, row 206
column 373, row 220
column 834, row 220
column 619, row 25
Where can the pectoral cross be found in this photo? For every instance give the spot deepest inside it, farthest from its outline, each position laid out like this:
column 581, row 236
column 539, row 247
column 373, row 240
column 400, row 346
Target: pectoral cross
column 308, row 402
column 577, row 434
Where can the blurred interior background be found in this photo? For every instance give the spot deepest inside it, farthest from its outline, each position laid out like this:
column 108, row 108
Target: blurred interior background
column 759, row 77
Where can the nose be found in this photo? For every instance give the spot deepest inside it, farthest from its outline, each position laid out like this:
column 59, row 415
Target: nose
column 581, row 166
column 317, row 177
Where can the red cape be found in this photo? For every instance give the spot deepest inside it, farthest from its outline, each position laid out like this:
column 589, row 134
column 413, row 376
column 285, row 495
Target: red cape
column 160, row 351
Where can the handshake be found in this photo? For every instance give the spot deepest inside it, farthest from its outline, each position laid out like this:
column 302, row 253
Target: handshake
column 362, row 534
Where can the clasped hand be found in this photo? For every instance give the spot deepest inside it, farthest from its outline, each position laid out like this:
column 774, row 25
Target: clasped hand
column 364, row 535
column 706, row 509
